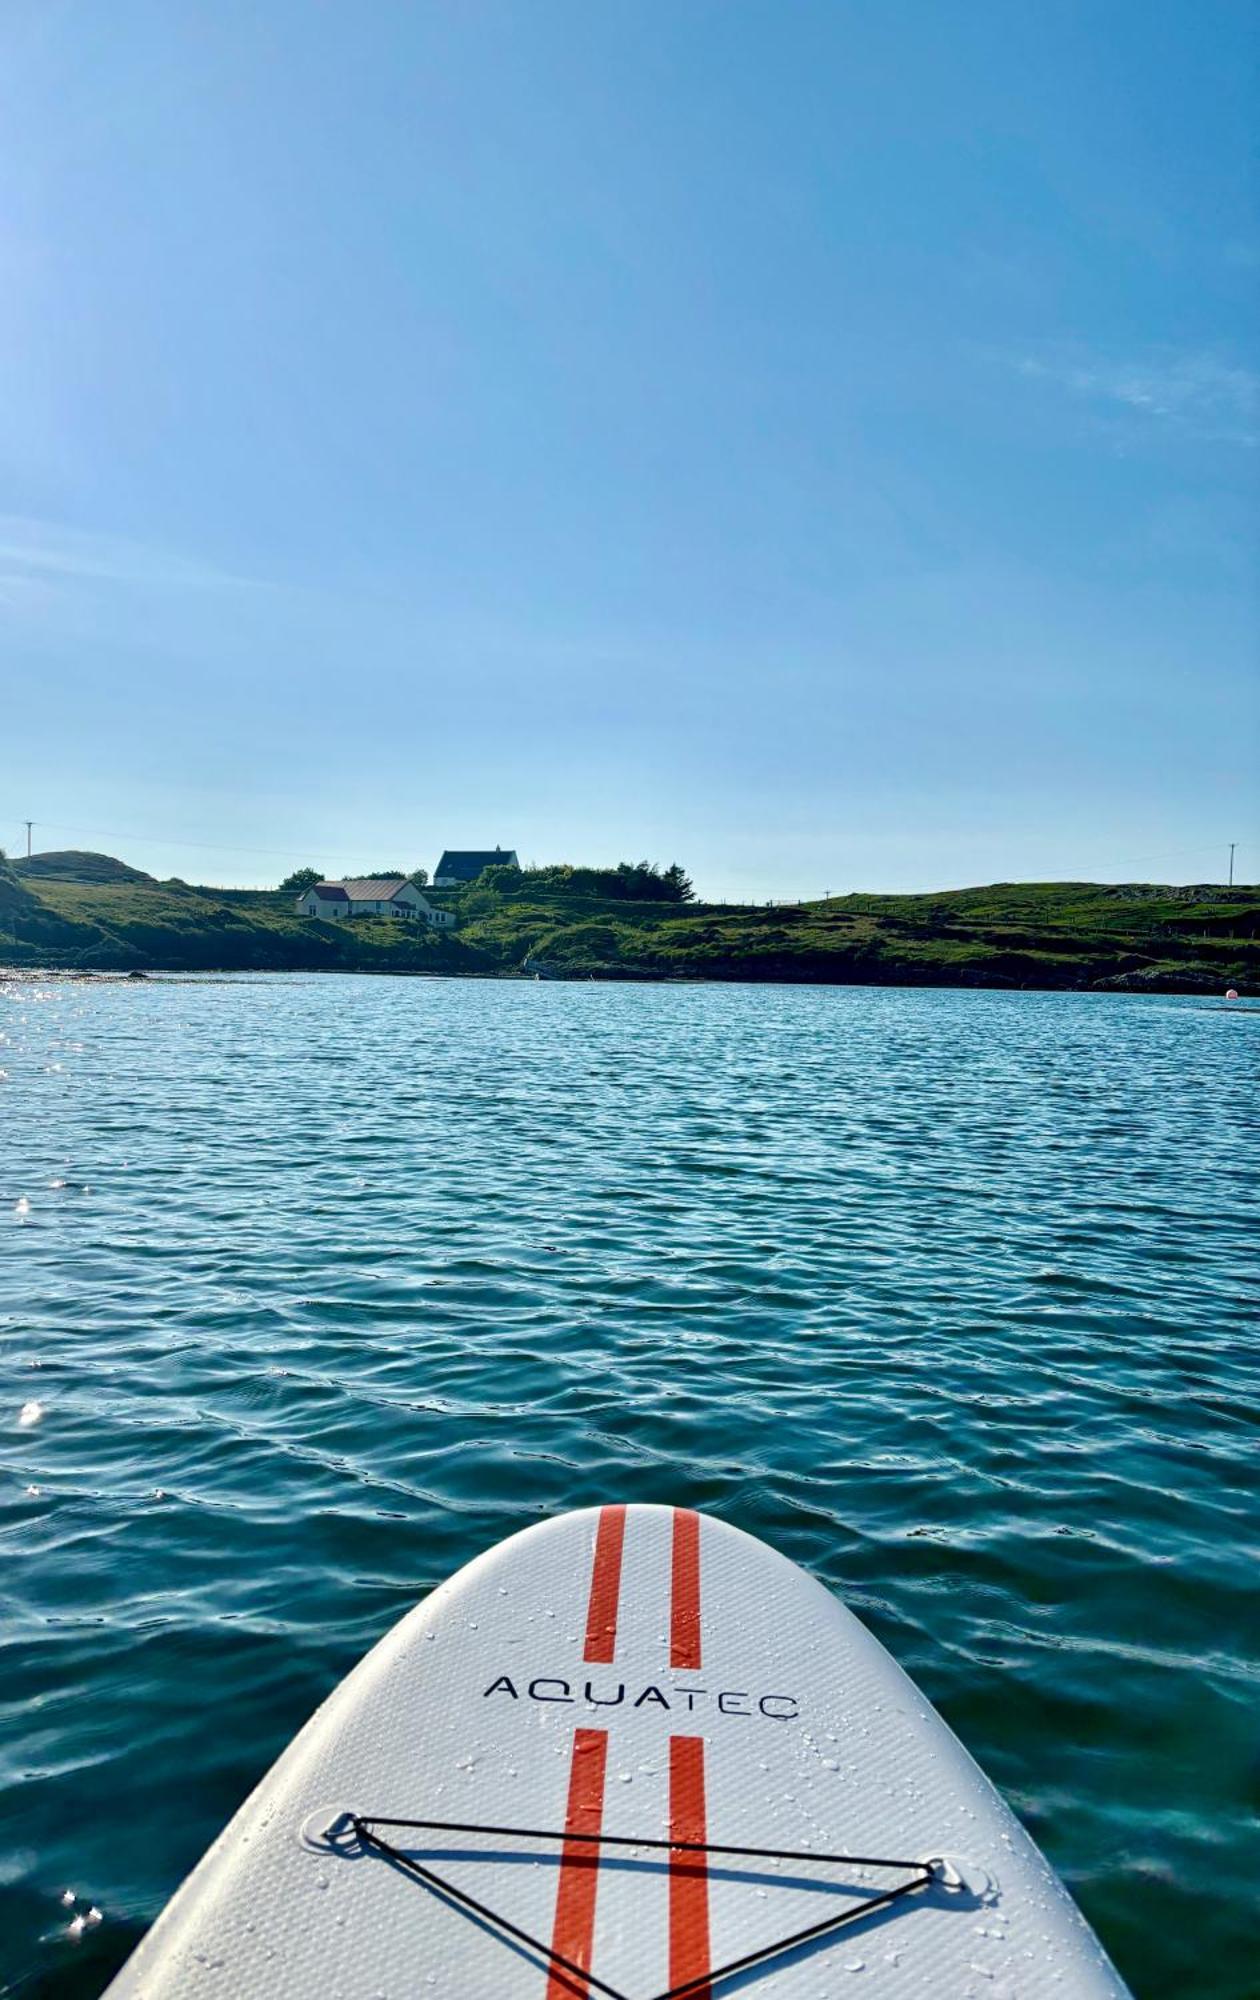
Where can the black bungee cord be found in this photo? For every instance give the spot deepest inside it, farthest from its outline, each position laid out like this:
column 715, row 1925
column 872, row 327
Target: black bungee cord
column 363, row 1828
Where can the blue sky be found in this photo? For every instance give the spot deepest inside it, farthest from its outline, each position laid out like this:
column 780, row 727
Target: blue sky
column 815, row 441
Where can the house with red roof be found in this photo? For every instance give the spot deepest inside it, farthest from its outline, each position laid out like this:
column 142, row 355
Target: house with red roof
column 372, row 896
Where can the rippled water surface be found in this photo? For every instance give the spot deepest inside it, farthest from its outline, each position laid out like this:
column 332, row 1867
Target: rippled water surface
column 312, row 1288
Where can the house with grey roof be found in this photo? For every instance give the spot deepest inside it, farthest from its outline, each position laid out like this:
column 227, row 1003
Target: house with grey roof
column 460, row 866
column 371, row 896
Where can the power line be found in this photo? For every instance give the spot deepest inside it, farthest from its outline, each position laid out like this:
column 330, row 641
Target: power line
column 1176, row 854
column 290, row 854
column 157, row 840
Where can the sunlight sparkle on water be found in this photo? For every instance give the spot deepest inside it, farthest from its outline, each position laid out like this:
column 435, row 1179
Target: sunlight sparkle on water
column 948, row 1295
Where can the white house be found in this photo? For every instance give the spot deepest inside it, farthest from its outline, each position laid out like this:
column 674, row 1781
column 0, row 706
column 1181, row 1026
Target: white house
column 371, row 896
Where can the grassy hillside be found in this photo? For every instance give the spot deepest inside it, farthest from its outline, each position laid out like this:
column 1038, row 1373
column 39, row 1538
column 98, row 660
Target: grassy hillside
column 85, row 911
column 76, row 865
column 94, row 913
column 1012, row 934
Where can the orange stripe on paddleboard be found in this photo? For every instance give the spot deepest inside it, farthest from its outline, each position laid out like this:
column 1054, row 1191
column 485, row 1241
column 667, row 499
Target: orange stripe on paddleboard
column 573, row 1932
column 689, row 1961
column 684, row 1615
column 601, row 1611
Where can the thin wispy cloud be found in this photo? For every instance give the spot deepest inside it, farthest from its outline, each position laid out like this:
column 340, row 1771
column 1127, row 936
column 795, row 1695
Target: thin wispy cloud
column 36, row 555
column 1196, row 394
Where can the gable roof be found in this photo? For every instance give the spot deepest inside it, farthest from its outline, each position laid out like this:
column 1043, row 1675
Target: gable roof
column 466, row 864
column 364, row 889
column 374, row 888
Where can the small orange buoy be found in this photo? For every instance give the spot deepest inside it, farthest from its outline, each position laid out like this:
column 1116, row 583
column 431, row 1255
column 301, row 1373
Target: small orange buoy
column 1231, row 993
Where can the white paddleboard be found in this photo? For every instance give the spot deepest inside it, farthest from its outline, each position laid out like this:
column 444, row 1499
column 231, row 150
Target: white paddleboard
column 629, row 1753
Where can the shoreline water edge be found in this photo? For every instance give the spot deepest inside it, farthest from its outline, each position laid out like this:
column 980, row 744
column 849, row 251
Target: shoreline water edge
column 79, row 914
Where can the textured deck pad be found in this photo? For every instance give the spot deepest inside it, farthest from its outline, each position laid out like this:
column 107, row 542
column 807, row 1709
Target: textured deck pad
column 649, row 1675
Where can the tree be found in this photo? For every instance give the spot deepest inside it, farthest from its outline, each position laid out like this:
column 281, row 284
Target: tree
column 500, row 877
column 628, row 882
column 301, row 879
column 420, row 876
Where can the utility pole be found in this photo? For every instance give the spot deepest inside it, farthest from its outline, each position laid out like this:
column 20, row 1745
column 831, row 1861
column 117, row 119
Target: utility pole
column 29, row 823
column 1232, row 845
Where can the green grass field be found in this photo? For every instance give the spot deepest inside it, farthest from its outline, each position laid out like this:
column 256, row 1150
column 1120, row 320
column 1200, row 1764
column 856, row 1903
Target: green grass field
column 85, row 912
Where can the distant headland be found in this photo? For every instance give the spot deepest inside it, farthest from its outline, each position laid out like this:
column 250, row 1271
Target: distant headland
column 636, row 921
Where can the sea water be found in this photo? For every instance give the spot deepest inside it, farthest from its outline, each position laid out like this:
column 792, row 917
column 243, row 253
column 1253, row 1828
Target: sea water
column 313, row 1287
